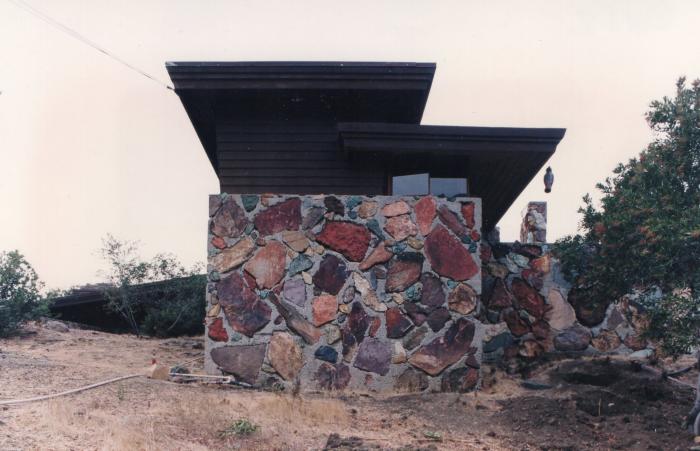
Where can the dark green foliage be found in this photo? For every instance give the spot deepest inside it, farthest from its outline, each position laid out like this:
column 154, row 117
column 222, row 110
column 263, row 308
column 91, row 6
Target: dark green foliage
column 179, row 310
column 645, row 236
column 19, row 293
column 158, row 297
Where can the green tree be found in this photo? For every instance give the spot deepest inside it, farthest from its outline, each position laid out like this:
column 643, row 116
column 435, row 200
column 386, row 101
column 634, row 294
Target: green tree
column 645, row 236
column 157, row 297
column 20, row 299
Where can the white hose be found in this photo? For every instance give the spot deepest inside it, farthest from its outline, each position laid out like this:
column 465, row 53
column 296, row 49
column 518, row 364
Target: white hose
column 68, row 392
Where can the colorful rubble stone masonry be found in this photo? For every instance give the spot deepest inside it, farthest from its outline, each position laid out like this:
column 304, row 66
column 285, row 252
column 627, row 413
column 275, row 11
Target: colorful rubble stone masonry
column 528, row 310
column 370, row 293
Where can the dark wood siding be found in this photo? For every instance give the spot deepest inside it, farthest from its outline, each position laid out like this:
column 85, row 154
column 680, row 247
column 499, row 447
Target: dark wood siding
column 291, row 160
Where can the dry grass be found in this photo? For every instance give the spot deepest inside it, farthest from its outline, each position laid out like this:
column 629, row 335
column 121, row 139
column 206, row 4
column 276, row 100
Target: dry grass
column 190, row 419
column 144, row 414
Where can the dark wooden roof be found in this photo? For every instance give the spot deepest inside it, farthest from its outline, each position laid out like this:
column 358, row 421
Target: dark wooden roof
column 501, row 160
column 313, row 92
column 346, row 128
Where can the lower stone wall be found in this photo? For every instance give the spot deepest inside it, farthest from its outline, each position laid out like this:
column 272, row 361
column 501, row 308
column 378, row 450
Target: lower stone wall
column 530, row 310
column 336, row 292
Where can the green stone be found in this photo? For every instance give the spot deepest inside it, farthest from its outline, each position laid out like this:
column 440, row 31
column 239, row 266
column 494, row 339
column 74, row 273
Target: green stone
column 466, row 239
column 214, row 276
column 413, row 293
column 373, row 226
column 352, row 214
column 451, row 284
column 249, row 228
column 472, row 248
column 399, row 247
column 353, row 202
column 300, row 263
column 250, row 201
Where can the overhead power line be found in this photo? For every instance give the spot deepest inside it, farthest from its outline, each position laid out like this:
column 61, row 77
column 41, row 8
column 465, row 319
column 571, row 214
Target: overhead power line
column 74, row 34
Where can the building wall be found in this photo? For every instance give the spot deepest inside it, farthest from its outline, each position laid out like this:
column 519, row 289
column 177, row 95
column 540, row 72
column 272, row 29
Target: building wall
column 336, row 292
column 282, row 159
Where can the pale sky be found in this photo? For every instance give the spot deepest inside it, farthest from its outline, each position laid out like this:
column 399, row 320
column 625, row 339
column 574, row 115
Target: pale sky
column 88, row 147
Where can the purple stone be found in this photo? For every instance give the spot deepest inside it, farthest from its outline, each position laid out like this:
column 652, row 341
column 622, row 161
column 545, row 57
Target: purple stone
column 374, row 355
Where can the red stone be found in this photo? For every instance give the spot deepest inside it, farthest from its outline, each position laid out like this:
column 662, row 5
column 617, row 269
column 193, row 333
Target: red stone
column 529, row 250
column 460, row 380
column 542, row 264
column 376, row 322
column 404, row 271
column 432, row 294
column 463, row 299
column 437, row 318
column 452, row 221
column 245, row 312
column 347, row 238
column 216, row 330
column 534, row 278
column 447, row 255
column 528, row 298
column 332, row 377
column 295, row 321
column 468, row 214
column 358, row 321
column 395, row 209
column 540, row 329
column 324, row 309
column 218, row 242
column 331, row 275
column 425, row 210
column 515, row 323
column 501, row 297
column 417, row 313
column 396, row 324
column 400, row 227
column 268, row 265
column 282, row 216
column 230, row 220
column 446, row 350
column 355, row 328
column 475, row 236
column 379, row 255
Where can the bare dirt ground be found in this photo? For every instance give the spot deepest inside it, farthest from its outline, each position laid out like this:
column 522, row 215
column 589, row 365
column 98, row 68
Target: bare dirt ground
column 595, row 405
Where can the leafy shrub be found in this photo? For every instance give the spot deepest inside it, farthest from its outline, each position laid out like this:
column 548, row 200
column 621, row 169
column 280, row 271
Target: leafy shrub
column 180, row 309
column 158, row 297
column 19, row 292
column 645, row 237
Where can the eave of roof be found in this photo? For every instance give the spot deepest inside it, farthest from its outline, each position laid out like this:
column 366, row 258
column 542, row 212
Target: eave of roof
column 350, row 91
column 502, row 160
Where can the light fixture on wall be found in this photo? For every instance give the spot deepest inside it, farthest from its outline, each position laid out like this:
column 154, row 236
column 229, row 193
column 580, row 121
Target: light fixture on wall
column 548, row 180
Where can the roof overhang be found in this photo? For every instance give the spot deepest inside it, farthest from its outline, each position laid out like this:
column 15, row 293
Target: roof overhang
column 326, row 92
column 502, row 161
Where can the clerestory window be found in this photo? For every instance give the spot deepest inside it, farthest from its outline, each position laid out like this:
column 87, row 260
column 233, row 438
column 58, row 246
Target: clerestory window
column 419, row 184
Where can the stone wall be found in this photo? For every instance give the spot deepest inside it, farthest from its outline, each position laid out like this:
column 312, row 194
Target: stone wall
column 369, row 293
column 530, row 310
